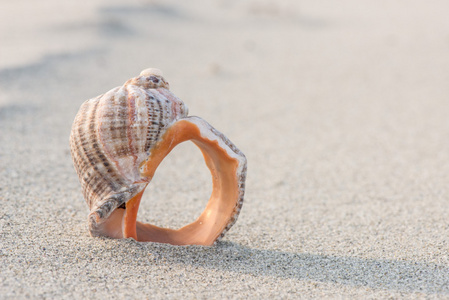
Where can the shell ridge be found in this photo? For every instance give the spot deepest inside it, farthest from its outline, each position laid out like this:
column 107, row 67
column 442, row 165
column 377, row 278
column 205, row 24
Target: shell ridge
column 111, row 171
column 102, row 134
column 156, row 110
column 89, row 163
column 113, row 130
column 160, row 122
column 116, row 175
column 129, row 129
column 141, row 124
column 99, row 182
column 151, row 119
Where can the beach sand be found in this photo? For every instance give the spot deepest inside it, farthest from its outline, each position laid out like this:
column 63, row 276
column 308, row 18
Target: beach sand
column 341, row 109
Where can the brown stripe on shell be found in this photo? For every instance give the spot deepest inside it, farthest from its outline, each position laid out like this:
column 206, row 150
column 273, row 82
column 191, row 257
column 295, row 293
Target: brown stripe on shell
column 153, row 121
column 160, row 115
column 132, row 151
column 114, row 133
column 141, row 122
column 85, row 160
column 160, row 125
column 88, row 162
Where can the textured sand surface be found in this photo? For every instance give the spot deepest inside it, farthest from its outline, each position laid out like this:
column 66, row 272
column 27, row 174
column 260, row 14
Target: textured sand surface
column 341, row 109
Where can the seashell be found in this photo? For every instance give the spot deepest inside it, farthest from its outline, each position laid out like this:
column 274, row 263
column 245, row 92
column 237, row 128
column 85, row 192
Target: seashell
column 117, row 141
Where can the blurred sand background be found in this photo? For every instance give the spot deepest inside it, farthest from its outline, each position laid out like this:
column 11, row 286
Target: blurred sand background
column 341, row 108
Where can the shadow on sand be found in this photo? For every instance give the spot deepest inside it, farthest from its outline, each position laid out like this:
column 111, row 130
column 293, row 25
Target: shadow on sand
column 383, row 274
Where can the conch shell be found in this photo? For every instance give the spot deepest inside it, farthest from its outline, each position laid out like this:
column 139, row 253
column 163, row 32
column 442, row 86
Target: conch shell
column 118, row 139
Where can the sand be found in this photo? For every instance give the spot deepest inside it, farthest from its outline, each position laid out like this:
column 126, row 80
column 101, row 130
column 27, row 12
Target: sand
column 341, row 109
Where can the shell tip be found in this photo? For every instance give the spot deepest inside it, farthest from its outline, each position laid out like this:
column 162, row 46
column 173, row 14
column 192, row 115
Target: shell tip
column 151, row 71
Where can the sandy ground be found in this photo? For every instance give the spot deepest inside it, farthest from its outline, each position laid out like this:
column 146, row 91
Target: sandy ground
column 340, row 107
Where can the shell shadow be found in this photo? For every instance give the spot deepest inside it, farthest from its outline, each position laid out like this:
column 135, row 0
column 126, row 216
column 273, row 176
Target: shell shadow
column 383, row 274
